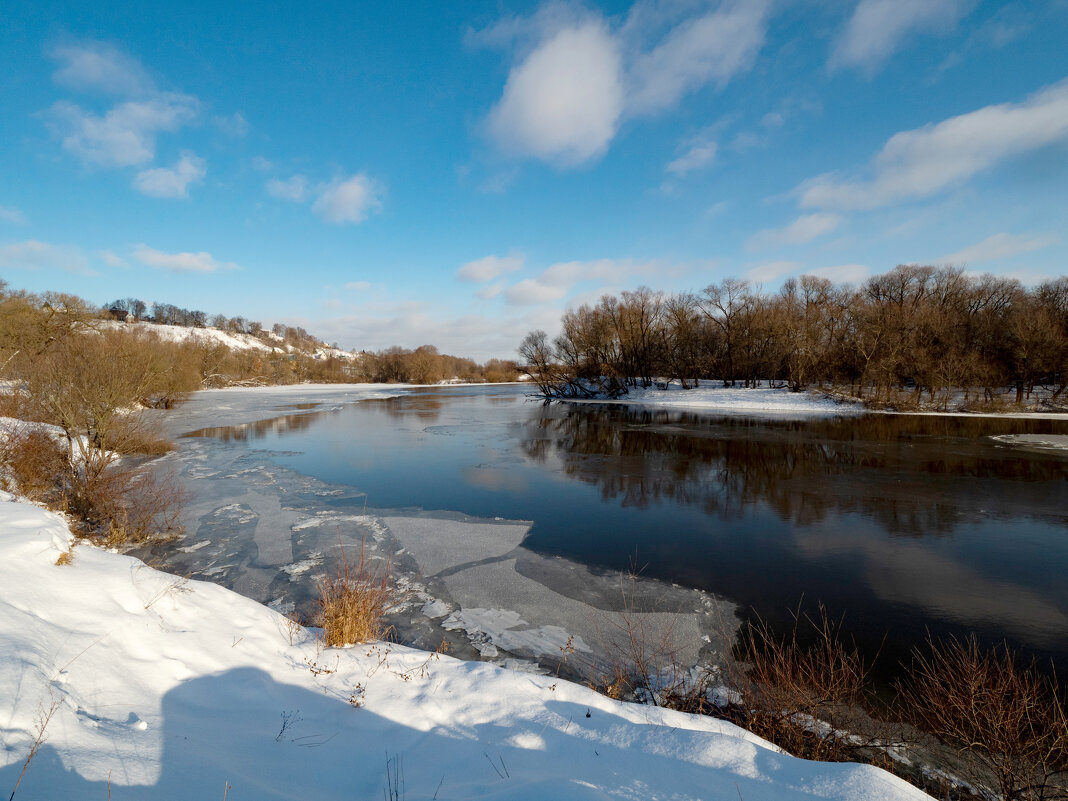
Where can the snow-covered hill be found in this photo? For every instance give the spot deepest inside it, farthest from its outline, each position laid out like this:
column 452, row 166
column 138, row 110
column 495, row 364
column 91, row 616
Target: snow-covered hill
column 175, row 689
column 270, row 343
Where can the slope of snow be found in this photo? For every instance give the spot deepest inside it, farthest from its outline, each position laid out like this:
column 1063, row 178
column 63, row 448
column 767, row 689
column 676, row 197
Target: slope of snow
column 729, row 400
column 209, row 336
column 175, row 689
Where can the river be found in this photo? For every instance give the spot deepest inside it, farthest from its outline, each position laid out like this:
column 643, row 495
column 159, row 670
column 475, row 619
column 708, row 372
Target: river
column 542, row 537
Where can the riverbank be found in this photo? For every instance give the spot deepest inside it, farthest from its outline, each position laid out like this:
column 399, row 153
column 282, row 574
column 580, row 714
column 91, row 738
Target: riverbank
column 714, row 398
column 163, row 687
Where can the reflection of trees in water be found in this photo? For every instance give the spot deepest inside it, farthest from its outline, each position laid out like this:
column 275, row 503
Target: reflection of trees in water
column 424, row 407
column 902, row 472
column 259, row 429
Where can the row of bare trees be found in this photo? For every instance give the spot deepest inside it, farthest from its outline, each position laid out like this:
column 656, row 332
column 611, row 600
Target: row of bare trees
column 916, row 331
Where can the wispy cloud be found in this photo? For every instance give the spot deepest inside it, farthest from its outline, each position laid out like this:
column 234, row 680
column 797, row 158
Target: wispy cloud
column 348, row 200
column 234, row 125
column 111, row 258
column 557, row 281
column 294, row 189
column 999, row 246
column 99, row 66
column 172, row 181
column 842, row 273
column 772, row 270
column 531, row 292
column 490, row 267
column 804, row 229
column 928, row 160
column 713, row 47
column 10, row 214
column 700, row 152
column 877, row 28
column 124, row 136
column 180, row 262
column 35, row 255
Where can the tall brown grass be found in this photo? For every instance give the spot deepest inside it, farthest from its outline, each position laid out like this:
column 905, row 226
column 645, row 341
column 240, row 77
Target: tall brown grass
column 1009, row 718
column 354, row 600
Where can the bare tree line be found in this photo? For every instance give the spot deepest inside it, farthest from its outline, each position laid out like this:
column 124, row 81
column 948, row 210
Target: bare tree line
column 916, row 333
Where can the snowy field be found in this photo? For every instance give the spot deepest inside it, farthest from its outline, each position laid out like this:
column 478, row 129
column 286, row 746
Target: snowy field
column 176, row 689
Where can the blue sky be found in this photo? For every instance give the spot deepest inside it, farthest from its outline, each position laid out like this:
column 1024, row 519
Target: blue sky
column 460, row 173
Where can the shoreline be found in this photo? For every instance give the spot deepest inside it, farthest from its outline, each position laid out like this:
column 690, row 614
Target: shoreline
column 166, row 687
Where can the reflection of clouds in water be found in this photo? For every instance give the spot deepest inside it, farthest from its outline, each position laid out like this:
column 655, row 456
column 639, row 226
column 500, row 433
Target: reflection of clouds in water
column 494, row 480
column 907, row 572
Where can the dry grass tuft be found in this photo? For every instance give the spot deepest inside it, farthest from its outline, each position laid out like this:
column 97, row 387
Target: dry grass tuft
column 354, row 600
column 65, row 558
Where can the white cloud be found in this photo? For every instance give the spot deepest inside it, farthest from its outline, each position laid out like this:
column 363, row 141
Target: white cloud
column 99, row 66
column 773, row 119
column 126, row 134
column 712, row 47
column 348, row 200
column 261, row 164
column 172, row 181
column 111, row 258
column 563, row 102
column 531, row 292
column 556, row 282
column 772, row 270
column 699, row 153
column 234, row 125
column 10, row 214
column 295, row 188
column 358, row 286
column 927, row 160
column 481, row 337
column 878, row 27
column 34, row 255
column 569, row 91
column 180, row 262
column 998, row 246
column 804, row 229
column 489, row 267
column 842, row 273
column 491, row 291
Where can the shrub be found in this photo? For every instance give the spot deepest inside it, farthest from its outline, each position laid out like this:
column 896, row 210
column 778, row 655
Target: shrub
column 1011, row 719
column 805, row 691
column 354, row 600
column 37, row 465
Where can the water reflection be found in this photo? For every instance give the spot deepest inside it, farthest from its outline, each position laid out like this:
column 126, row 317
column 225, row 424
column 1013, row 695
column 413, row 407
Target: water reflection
column 903, row 472
column 262, row 428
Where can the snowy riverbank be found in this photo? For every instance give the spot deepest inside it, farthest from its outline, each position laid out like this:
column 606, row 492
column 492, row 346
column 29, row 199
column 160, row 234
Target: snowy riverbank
column 715, row 398
column 176, row 688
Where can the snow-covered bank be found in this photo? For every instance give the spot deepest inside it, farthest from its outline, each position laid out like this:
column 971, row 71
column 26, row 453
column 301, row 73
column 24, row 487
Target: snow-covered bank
column 734, row 400
column 781, row 402
column 176, row 688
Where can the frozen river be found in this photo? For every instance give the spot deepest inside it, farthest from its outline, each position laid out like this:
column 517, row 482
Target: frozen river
column 514, row 526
